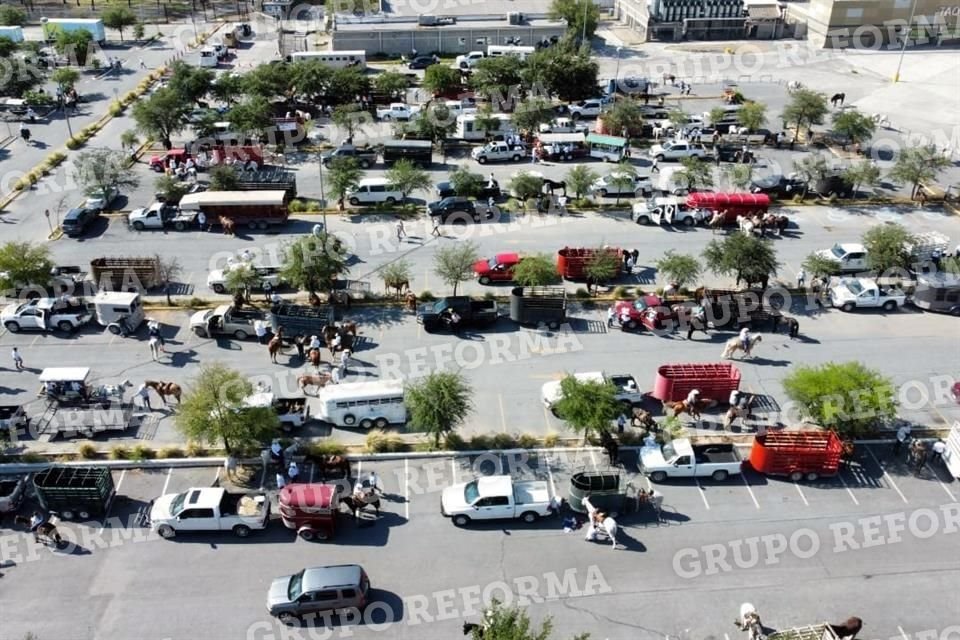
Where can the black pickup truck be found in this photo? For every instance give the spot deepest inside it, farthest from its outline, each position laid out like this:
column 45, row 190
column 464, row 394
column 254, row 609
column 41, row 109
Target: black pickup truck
column 473, row 313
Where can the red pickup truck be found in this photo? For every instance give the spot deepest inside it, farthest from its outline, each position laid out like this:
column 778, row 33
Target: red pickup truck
column 499, row 268
column 648, row 311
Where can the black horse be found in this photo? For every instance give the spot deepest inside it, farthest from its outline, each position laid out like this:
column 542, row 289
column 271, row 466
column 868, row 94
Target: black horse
column 356, row 503
column 470, row 627
column 550, row 186
column 45, row 532
column 610, row 446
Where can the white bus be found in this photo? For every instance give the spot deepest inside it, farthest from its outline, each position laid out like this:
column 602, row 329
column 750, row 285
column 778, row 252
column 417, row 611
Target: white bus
column 495, row 50
column 335, row 59
column 467, row 131
column 368, row 404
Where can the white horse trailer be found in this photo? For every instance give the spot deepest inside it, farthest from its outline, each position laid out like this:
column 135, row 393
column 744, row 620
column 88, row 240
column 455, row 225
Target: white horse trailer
column 367, row 404
column 335, row 59
column 466, row 127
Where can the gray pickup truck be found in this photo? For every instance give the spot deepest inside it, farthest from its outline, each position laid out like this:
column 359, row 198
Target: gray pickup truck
column 365, row 156
column 226, row 320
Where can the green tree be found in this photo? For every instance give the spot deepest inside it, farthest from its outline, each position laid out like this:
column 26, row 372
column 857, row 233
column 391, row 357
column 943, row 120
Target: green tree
column 350, row 118
column 561, row 70
column 310, row 77
column 169, row 268
column 536, row 270
column 191, row 83
column 213, row 411
column 454, row 263
column 397, row 275
column 129, row 140
column 525, row 186
column 582, row 16
column 752, row 260
column 434, row 123
column 24, row 263
column 438, row 403
column 346, row 84
column 739, row 175
column 864, row 173
column 391, row 83
column 343, row 177
column 485, row 122
column 497, row 78
column 530, row 114
column 819, row 266
column 251, row 117
column 161, row 116
column 752, row 115
column 117, row 17
column 717, row 114
column 513, row 623
column 170, row 188
column 580, row 178
column 624, row 177
column 228, row 88
column 805, row 109
column 12, row 16
column 811, row 168
column 918, row 164
column 98, row 171
column 625, row 115
column 847, row 397
column 139, row 31
column 440, row 79
column 406, row 177
column 65, row 78
column 267, row 81
column 73, row 44
column 313, row 263
column 223, row 178
column 888, row 247
column 587, row 406
column 853, row 125
column 465, row 183
column 678, row 268
column 696, row 174
column 602, row 267
column 241, row 278
column 7, row 47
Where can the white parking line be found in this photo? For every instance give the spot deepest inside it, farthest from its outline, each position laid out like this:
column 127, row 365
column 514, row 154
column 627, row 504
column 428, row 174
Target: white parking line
column 166, row 482
column 903, row 633
column 889, row 479
column 453, row 469
column 703, row 494
column 406, row 488
column 800, row 491
column 940, row 482
column 359, row 469
column 503, row 416
column 844, row 483
column 593, row 460
column 747, row 485
column 116, row 492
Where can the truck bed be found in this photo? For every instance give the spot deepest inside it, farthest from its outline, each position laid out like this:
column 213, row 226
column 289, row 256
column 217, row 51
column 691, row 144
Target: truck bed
column 716, row 454
column 531, row 492
column 242, row 504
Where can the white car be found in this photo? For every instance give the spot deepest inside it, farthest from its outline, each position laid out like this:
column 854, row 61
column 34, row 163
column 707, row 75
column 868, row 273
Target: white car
column 677, row 150
column 469, row 60
column 564, row 125
column 851, row 256
column 632, row 186
column 98, row 202
column 397, row 111
column 586, row 109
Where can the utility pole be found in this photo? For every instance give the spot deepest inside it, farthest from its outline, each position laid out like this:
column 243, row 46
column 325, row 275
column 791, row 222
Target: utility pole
column 586, row 5
column 906, row 39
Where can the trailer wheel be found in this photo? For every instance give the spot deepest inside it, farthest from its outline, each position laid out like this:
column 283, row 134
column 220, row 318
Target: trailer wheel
column 166, row 531
column 688, row 221
column 219, row 288
column 813, row 476
column 307, row 534
column 252, row 225
column 114, row 329
column 366, row 423
column 796, row 476
column 263, row 225
column 364, row 164
column 349, row 419
column 381, row 423
column 553, row 325
column 354, row 201
column 67, row 514
column 241, row 531
column 484, row 280
column 719, row 475
column 658, row 476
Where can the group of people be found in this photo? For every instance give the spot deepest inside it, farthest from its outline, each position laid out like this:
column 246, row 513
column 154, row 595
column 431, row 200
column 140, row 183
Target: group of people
column 630, row 260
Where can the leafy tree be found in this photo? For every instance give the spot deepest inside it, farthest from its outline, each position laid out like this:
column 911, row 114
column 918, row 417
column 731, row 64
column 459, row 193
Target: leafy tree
column 888, row 247
column 241, row 278
column 811, row 168
column 438, row 403
column 351, row 118
column 213, row 411
column 97, row 171
column 601, row 267
column 435, row 123
column 525, row 186
column 343, row 177
column 805, row 109
column 678, row 268
column 819, row 266
column 406, row 177
column 497, row 77
column 484, row 120
column 588, row 406
column 454, row 263
column 397, row 274
column 752, row 260
column 578, row 14
column 440, row 79
column 228, row 88
column 73, row 44
column 138, row 31
column 918, row 164
column 561, row 71
column 117, row 17
column 512, row 623
column 752, row 115
column 678, row 117
column 624, row 115
column 223, row 178
column 65, row 78
column 313, row 263
column 739, row 175
column 465, row 183
column 860, row 173
column 190, row 83
column 624, row 178
column 12, row 16
column 530, row 114
column 847, row 397
column 267, row 81
column 717, row 114
column 346, row 84
column 391, row 83
column 310, row 77
column 696, row 174
column 536, row 271
column 853, row 125
column 580, row 178
column 7, row 47
column 24, row 263
column 170, row 188
column 207, row 125
column 169, row 268
column 161, row 116
column 251, row 117
column 129, row 139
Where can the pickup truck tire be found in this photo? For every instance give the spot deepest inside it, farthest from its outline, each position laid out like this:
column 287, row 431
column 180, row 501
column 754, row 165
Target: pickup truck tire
column 848, row 306
column 241, row 531
column 166, row 531
column 659, row 157
column 530, row 517
column 138, row 226
column 219, row 288
column 349, row 419
column 240, row 334
column 720, row 475
column 461, row 520
column 180, row 225
column 287, row 618
column 385, row 117
column 12, row 326
column 889, row 305
column 364, row 164
column 643, row 220
column 366, row 423
column 658, row 476
column 515, row 157
column 482, row 160
column 354, row 201
column 66, row 326
column 391, row 200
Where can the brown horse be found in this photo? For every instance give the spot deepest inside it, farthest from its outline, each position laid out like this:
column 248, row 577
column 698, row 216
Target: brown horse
column 410, row 300
column 319, row 381
column 314, row 357
column 644, row 419
column 47, row 530
column 848, row 629
column 165, row 389
column 693, row 409
column 229, row 226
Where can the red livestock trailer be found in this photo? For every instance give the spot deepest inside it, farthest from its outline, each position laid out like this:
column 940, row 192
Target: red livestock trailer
column 797, row 454
column 715, row 381
column 734, row 204
column 571, row 262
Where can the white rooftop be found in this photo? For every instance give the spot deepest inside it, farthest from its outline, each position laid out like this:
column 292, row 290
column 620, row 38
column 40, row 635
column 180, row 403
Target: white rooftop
column 64, row 374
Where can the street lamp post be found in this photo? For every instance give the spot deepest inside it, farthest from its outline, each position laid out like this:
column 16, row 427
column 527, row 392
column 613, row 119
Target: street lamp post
column 586, row 5
column 616, row 75
column 906, row 38
column 323, row 200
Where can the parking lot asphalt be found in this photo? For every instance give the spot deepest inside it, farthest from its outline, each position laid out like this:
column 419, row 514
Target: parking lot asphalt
column 665, row 578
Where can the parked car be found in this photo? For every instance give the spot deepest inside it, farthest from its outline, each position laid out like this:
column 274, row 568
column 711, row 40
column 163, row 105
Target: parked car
column 318, row 589
column 445, row 189
column 648, row 311
column 632, row 187
column 778, row 186
column 100, row 200
column 499, row 268
column 422, row 62
column 496, row 498
column 834, row 183
column 851, row 256
column 677, row 150
column 682, row 459
column 456, row 207
column 77, row 220
column 852, row 293
column 586, row 109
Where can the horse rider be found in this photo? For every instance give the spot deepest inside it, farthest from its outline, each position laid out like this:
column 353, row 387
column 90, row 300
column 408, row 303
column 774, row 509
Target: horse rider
column 745, row 338
column 37, row 520
column 693, row 397
column 153, row 330
column 314, row 343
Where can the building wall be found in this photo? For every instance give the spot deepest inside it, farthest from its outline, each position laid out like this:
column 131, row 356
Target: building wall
column 634, row 14
column 448, row 40
column 868, row 23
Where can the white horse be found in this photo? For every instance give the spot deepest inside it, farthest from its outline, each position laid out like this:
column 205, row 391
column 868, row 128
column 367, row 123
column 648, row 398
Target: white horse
column 606, row 526
column 734, row 344
column 750, row 622
column 746, row 225
column 881, row 120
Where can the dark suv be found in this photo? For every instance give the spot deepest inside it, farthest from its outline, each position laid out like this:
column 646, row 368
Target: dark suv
column 455, row 207
column 77, row 220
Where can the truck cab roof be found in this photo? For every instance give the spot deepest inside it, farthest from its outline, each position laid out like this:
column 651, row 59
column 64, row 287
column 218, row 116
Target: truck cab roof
column 205, row 498
column 495, row 486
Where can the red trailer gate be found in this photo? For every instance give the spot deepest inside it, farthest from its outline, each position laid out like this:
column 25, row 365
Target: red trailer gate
column 797, row 454
column 714, row 380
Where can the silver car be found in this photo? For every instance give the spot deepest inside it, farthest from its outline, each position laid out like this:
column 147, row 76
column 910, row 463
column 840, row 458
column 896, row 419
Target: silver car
column 318, row 589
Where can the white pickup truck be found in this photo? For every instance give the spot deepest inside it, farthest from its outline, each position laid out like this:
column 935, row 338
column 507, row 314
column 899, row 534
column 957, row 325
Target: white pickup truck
column 586, row 109
column 397, row 111
column 681, row 459
column 496, row 498
column 45, row 314
column 469, row 60
column 628, row 392
column 498, row 151
column 848, row 294
column 209, row 509
column 292, row 412
column 677, row 150
column 850, row 256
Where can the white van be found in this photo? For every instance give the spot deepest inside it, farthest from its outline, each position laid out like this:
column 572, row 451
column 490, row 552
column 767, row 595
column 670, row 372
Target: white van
column 368, row 404
column 374, row 191
column 209, row 57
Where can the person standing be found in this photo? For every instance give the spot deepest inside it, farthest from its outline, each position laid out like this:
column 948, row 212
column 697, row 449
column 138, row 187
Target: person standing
column 202, row 221
column 939, row 448
column 401, row 232
column 611, row 315
column 299, row 343
column 17, row 359
column 903, row 434
column 144, row 394
column 436, row 226
column 293, row 472
column 655, row 166
column 374, row 481
column 154, row 347
column 281, row 481
column 801, row 278
column 621, row 423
